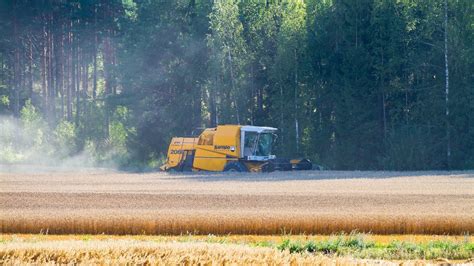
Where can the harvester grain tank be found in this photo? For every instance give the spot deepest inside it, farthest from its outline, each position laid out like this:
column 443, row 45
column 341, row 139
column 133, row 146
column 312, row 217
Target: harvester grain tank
column 229, row 148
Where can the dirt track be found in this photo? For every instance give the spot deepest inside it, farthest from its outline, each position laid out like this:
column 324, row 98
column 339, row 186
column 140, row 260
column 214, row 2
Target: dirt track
column 311, row 202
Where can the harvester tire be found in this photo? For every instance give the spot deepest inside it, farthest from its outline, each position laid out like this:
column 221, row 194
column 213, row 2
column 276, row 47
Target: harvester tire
column 235, row 167
column 268, row 167
column 282, row 164
column 304, row 164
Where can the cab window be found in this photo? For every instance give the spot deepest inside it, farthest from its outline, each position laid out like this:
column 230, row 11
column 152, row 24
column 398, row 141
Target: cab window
column 249, row 143
column 264, row 145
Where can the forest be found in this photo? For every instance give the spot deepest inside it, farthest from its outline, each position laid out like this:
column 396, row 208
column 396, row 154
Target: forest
column 350, row 84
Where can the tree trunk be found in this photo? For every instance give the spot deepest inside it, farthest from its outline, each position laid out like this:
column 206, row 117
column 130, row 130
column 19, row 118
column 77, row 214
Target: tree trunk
column 384, row 111
column 94, row 85
column 234, row 93
column 78, row 83
column 51, row 67
column 253, row 98
column 71, row 78
column 66, row 78
column 30, row 68
column 85, row 81
column 43, row 69
column 107, row 84
column 297, row 134
column 448, row 137
column 16, row 67
column 61, row 72
column 212, row 102
column 260, row 113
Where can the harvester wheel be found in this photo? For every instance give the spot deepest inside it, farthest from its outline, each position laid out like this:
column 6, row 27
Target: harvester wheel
column 235, row 167
column 268, row 167
column 304, row 164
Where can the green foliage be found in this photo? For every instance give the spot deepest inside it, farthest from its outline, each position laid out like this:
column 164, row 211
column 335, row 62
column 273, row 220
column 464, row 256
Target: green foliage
column 65, row 138
column 431, row 250
column 356, row 245
column 25, row 139
column 112, row 151
column 350, row 84
column 34, row 126
column 118, row 135
column 130, row 8
column 30, row 116
column 265, row 244
column 228, row 62
column 8, row 154
column 118, row 132
column 412, row 148
column 4, row 100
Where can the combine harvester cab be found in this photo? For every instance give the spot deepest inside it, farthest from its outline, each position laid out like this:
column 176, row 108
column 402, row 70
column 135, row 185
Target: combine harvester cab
column 231, row 148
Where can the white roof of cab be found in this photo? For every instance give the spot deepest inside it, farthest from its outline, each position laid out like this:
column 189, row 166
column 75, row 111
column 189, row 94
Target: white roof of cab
column 258, row 129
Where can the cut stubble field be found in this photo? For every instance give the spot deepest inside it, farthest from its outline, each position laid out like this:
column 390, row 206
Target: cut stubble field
column 310, row 202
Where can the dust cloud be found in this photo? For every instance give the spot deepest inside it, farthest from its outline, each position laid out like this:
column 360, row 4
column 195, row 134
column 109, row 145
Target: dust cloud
column 33, row 146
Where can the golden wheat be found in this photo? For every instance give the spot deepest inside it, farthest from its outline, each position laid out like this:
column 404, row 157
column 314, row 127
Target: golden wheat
column 289, row 202
column 235, row 239
column 168, row 253
column 175, row 224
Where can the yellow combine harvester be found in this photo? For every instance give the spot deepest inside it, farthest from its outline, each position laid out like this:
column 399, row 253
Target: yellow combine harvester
column 229, row 148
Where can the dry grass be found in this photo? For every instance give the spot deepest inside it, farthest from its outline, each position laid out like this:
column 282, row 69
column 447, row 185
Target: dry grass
column 233, row 239
column 168, row 253
column 292, row 202
column 123, row 251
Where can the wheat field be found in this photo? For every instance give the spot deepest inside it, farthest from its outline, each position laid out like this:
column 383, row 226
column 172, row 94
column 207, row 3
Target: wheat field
column 122, row 251
column 310, row 202
column 235, row 239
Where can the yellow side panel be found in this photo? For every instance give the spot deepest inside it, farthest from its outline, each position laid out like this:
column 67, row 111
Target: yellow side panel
column 213, row 148
column 224, row 146
column 177, row 148
column 209, row 160
column 227, row 140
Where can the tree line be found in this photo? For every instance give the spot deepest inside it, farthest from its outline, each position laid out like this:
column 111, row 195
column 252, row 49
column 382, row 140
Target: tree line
column 351, row 84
